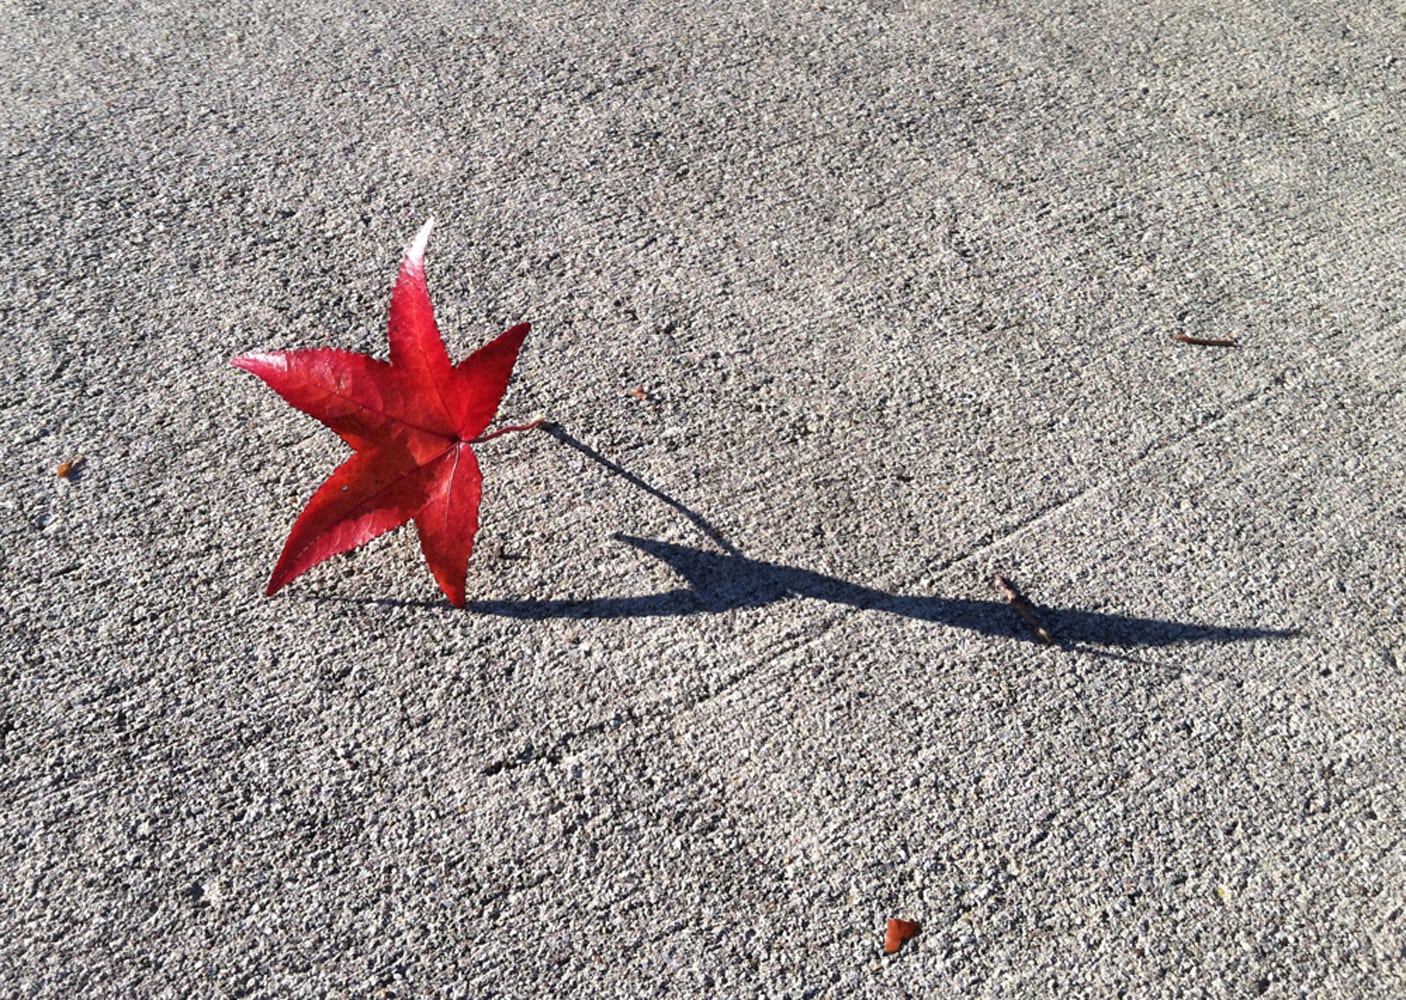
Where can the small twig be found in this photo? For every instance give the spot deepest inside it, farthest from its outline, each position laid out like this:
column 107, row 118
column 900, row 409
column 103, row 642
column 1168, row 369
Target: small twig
column 1022, row 608
column 511, row 429
column 1204, row 341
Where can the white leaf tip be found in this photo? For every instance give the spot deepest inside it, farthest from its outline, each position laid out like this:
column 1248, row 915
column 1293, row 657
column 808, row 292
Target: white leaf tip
column 415, row 252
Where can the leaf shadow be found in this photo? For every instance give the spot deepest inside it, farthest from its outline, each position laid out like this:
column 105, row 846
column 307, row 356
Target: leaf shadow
column 728, row 581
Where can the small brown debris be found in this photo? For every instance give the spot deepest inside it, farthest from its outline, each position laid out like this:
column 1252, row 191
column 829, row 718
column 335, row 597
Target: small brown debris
column 640, row 393
column 1022, row 608
column 898, row 931
column 1204, row 341
column 67, row 469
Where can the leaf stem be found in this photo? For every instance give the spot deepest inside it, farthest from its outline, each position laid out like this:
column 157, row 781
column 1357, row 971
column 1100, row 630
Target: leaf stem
column 511, row 429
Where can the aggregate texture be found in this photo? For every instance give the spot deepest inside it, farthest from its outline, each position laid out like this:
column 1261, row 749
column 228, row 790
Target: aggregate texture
column 839, row 309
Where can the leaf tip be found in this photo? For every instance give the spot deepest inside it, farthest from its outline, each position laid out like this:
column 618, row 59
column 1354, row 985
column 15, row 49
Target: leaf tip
column 268, row 365
column 454, row 590
column 415, row 252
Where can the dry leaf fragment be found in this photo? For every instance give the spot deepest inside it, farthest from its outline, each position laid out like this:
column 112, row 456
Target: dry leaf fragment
column 897, row 932
column 1022, row 608
column 1204, row 341
column 67, row 469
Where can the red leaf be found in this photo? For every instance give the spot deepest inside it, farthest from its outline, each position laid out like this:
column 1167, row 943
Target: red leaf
column 409, row 422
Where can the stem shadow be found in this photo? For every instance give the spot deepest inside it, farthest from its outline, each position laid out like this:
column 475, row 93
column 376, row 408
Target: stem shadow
column 728, row 581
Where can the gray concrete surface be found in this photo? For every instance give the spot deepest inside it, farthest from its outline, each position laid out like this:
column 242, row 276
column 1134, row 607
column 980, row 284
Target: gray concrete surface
column 899, row 282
